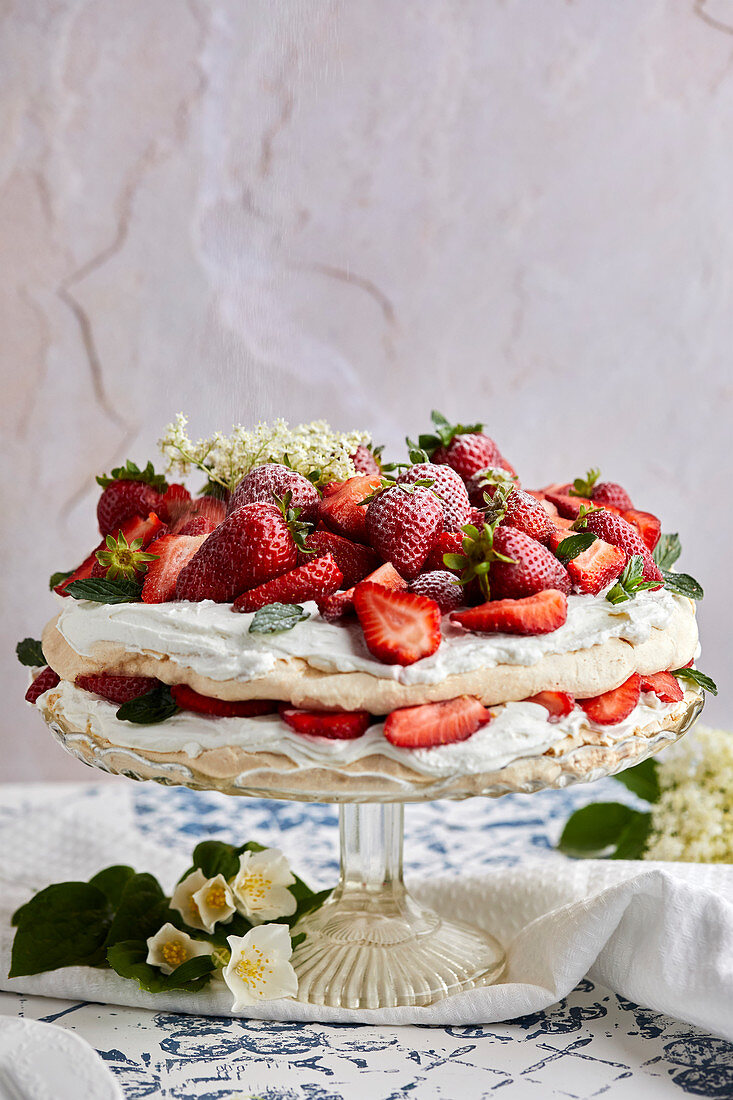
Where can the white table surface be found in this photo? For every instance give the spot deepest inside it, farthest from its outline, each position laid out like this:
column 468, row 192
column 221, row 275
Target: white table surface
column 593, row 1043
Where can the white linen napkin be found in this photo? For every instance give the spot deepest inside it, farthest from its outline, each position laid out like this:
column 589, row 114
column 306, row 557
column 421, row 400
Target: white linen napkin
column 658, row 934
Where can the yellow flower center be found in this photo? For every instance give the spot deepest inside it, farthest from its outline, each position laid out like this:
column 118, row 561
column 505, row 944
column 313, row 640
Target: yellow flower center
column 252, row 970
column 256, row 886
column 216, row 898
column 174, row 953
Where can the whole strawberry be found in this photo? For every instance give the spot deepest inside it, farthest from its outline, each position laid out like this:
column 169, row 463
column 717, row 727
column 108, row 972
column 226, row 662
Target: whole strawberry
column 616, row 530
column 441, row 586
column 463, row 447
column 402, row 524
column 522, row 511
column 353, row 559
column 122, row 500
column 609, row 492
column 252, row 545
column 270, row 483
column 532, row 567
column 366, row 461
column 447, row 486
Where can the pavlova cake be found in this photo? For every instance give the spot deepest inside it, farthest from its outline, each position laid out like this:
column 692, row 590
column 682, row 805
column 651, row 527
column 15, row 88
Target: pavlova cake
column 321, row 624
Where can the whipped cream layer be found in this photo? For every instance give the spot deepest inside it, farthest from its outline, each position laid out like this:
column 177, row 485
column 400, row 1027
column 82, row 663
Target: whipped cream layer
column 215, row 642
column 516, row 730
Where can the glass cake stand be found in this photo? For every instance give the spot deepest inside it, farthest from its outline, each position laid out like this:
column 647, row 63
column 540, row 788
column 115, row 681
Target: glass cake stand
column 370, row 945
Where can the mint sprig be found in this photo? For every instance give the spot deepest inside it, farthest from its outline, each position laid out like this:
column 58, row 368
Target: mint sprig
column 667, row 550
column 149, row 709
column 30, row 653
column 274, row 618
column 58, row 578
column 682, row 584
column 696, row 677
column 631, row 582
column 131, row 472
column 102, row 590
column 574, row 545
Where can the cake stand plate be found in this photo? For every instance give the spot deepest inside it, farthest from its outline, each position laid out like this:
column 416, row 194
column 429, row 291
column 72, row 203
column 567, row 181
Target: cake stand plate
column 370, row 945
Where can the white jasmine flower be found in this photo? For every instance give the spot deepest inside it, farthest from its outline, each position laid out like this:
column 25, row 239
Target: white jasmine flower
column 214, row 902
column 170, row 947
column 260, row 886
column 259, row 969
column 183, row 899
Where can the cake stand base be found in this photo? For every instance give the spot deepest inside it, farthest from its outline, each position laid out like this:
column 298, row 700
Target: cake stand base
column 371, row 945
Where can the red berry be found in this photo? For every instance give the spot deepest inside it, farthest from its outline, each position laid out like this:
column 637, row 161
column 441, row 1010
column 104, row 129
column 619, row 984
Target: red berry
column 188, row 699
column 441, row 586
column 342, row 603
column 447, row 486
column 364, row 460
column 616, row 530
column 337, row 725
column 526, row 514
column 122, row 500
column 568, row 507
column 174, row 552
column 538, row 614
column 613, row 706
column 399, row 627
column 593, row 569
column 251, row 546
column 354, row 560
column 271, row 482
column 134, row 528
column 116, row 688
column 402, row 525
column 664, row 685
column 532, row 568
column 44, row 681
column 315, row 580
column 197, row 525
column 342, row 510
column 648, row 526
column 558, row 703
column 468, row 454
column 432, row 724
column 609, row 493
column 450, row 542
column 176, row 504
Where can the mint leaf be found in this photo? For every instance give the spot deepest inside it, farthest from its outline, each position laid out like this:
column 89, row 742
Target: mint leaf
column 696, row 677
column 149, row 709
column 630, row 582
column 667, row 551
column 596, row 831
column 570, row 547
column 58, row 578
column 274, row 618
column 64, row 925
column 642, row 779
column 101, row 590
column 682, row 584
column 127, row 959
column 30, row 653
column 112, row 882
column 131, row 472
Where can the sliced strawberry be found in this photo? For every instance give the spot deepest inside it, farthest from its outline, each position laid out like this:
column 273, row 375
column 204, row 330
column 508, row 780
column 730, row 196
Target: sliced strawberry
column 342, row 510
column 354, row 560
column 337, row 725
column 567, row 506
column 175, row 503
column 558, row 703
column 44, row 681
column 615, row 705
column 431, row 724
column 648, row 526
column 313, row 581
column 399, row 627
column 116, row 688
column 538, row 614
column 342, row 603
column 188, row 699
column 174, row 551
column 664, row 685
column 593, row 569
column 137, row 527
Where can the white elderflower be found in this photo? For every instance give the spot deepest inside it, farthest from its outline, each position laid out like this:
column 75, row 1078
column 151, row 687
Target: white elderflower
column 170, row 947
column 260, row 886
column 183, row 899
column 215, row 902
column 259, row 968
column 693, row 819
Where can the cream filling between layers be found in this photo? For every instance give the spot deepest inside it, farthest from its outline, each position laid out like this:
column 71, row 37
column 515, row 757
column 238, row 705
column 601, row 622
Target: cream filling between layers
column 215, row 642
column 516, row 730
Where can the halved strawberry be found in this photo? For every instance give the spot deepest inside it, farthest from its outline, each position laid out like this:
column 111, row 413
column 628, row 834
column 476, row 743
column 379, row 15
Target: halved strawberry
column 399, row 627
column 209, row 508
column 354, row 560
column 174, row 551
column 557, row 703
column 538, row 614
column 315, row 580
column 188, row 699
column 567, row 506
column 664, row 685
column 593, row 569
column 344, row 725
column 342, row 603
column 44, row 681
column 615, row 705
column 431, row 724
column 117, row 688
column 175, row 504
column 137, row 527
column 122, row 500
column 342, row 510
column 648, row 526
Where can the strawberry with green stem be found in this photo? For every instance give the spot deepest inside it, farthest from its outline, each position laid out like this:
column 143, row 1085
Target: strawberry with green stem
column 402, row 523
column 128, row 491
column 121, row 559
column 463, row 447
column 607, row 493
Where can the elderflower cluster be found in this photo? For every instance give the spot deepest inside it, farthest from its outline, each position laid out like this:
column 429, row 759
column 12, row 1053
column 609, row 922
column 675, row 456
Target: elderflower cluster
column 314, row 450
column 693, row 819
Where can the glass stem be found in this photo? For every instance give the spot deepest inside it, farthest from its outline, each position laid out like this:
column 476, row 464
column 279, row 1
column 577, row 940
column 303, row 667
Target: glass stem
column 371, row 854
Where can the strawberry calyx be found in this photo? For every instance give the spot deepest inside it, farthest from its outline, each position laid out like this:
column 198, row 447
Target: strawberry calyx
column 478, row 554
column 496, row 478
column 131, row 472
column 298, row 529
column 122, row 559
column 443, row 433
column 585, row 511
column 583, row 486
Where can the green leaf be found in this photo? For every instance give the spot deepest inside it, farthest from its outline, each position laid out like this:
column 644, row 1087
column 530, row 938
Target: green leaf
column 667, row 551
column 57, row 578
column 642, row 779
column 101, row 590
column 570, row 547
column 30, row 653
column 142, row 909
column 295, row 941
column 633, row 838
column 696, row 677
column 682, row 584
column 214, row 857
column 583, row 486
column 112, row 882
column 64, row 925
column 595, row 831
column 127, row 959
column 307, row 903
column 149, row 709
column 630, row 582
column 131, row 472
column 274, row 618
